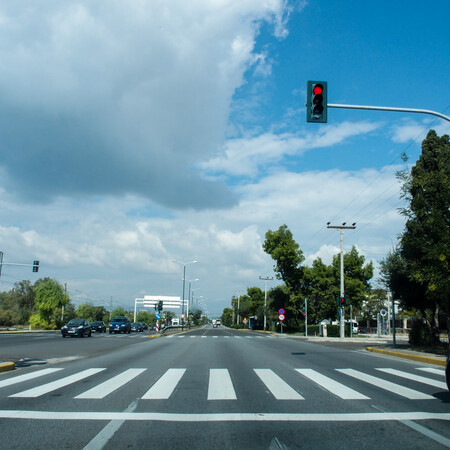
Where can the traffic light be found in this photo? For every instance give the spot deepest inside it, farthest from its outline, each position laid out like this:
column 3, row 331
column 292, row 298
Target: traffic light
column 341, row 301
column 35, row 266
column 316, row 101
column 160, row 305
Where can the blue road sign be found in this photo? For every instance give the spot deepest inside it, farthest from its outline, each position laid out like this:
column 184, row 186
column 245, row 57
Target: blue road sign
column 158, row 316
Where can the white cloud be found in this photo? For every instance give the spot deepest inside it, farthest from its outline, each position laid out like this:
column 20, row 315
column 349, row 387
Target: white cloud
column 248, row 155
column 127, row 96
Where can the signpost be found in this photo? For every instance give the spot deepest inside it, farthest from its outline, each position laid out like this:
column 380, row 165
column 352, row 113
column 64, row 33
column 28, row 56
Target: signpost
column 281, row 317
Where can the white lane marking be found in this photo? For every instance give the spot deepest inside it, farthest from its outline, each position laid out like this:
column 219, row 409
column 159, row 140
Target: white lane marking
column 387, row 385
column 223, row 417
column 279, row 388
column 238, row 337
column 215, row 337
column 332, row 386
column 432, row 370
column 103, row 437
column 111, row 385
column 164, row 387
column 49, row 387
column 27, row 376
column 204, row 337
column 220, row 385
column 192, row 337
column 419, row 379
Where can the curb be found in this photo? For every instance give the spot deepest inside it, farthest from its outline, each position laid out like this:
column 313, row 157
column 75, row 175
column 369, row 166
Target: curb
column 5, row 367
column 418, row 358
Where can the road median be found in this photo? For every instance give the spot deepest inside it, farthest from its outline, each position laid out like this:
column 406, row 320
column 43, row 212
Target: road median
column 414, row 356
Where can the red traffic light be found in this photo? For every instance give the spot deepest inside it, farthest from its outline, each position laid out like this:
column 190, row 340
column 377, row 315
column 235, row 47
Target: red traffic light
column 317, row 89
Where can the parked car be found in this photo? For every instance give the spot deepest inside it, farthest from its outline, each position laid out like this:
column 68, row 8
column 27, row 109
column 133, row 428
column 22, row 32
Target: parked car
column 120, row 324
column 145, row 326
column 76, row 327
column 98, row 326
column 153, row 327
column 137, row 326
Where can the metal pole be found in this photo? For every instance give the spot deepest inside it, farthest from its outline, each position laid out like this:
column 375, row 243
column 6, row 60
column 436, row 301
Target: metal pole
column 184, row 285
column 265, row 299
column 341, row 324
column 394, row 342
column 388, row 108
column 306, row 317
column 341, row 229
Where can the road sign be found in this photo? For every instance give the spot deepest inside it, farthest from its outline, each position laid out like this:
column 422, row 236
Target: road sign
column 182, row 316
column 281, row 317
column 281, row 311
column 383, row 312
column 158, row 316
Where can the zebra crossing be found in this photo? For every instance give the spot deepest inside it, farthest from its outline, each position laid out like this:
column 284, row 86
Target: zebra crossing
column 196, row 336
column 220, row 384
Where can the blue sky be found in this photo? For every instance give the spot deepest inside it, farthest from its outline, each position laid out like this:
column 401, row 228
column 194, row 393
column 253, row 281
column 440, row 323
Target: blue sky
column 143, row 133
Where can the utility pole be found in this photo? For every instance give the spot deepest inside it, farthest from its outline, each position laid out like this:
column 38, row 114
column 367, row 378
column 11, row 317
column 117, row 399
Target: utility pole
column 265, row 299
column 341, row 229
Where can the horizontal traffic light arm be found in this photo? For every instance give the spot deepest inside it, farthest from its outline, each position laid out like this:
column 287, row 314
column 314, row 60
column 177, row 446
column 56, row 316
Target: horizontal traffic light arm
column 388, row 108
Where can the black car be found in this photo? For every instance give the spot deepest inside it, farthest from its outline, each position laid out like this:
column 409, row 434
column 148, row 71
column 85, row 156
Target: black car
column 137, row 326
column 76, row 327
column 120, row 324
column 98, row 326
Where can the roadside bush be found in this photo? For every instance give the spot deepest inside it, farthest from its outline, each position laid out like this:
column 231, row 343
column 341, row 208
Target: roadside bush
column 422, row 334
column 39, row 323
column 333, row 331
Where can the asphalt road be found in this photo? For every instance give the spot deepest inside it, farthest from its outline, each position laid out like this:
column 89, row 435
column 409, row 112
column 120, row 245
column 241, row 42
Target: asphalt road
column 216, row 388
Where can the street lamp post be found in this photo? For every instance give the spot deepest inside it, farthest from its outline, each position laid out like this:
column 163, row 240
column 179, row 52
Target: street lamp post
column 265, row 299
column 184, row 264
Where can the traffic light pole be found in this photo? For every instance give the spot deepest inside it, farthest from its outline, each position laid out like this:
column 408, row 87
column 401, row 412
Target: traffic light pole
column 388, row 108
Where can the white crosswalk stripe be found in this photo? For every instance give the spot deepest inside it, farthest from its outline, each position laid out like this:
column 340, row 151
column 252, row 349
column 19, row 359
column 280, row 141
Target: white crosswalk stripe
column 410, row 376
column 279, row 388
column 54, row 385
column 111, row 385
column 164, row 387
column 220, row 385
column 432, row 370
column 387, row 385
column 26, row 377
column 332, row 386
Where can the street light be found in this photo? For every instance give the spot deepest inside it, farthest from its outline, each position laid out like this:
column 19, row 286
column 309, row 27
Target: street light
column 184, row 264
column 189, row 295
column 265, row 298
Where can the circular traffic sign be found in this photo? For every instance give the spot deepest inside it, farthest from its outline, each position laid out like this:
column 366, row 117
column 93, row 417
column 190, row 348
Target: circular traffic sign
column 281, row 311
column 158, row 316
column 182, row 316
column 383, row 312
column 281, row 317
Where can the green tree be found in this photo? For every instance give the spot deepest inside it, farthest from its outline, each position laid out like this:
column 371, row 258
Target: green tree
column 227, row 317
column 322, row 292
column 356, row 277
column 146, row 317
column 425, row 243
column 90, row 312
column 49, row 300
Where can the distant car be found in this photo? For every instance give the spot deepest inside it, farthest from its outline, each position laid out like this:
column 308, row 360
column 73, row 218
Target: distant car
column 120, row 324
column 153, row 327
column 145, row 325
column 447, row 371
column 137, row 326
column 76, row 327
column 98, row 326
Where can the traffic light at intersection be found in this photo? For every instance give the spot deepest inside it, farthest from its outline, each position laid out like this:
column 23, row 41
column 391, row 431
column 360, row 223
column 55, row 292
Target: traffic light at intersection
column 316, row 101
column 35, row 266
